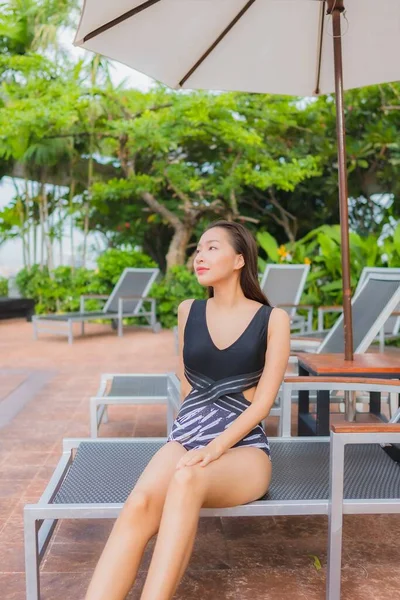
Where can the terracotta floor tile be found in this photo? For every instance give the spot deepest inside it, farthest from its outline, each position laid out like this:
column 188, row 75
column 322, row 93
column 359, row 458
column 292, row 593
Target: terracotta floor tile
column 236, row 559
column 71, row 557
column 24, row 458
column 7, row 505
column 13, row 487
column 18, row 473
column 94, row 531
column 12, row 558
column 12, row 586
column 13, row 532
column 64, row 586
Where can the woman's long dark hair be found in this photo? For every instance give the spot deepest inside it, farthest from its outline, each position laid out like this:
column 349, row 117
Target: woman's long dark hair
column 243, row 243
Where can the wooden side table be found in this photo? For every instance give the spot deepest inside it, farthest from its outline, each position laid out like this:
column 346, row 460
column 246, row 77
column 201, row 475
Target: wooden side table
column 374, row 365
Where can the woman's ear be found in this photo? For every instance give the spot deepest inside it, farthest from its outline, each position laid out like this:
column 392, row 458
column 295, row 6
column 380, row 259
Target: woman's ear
column 239, row 261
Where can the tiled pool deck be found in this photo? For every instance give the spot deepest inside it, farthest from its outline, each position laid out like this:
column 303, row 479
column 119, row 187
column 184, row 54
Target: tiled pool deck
column 45, row 388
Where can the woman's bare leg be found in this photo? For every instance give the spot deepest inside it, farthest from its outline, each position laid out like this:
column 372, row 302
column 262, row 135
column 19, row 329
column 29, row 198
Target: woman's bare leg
column 239, row 476
column 138, row 521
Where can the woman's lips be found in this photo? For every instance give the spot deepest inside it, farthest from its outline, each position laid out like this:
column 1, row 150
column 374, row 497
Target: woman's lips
column 201, row 270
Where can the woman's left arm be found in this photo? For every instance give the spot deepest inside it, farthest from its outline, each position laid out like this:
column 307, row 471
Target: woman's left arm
column 276, row 360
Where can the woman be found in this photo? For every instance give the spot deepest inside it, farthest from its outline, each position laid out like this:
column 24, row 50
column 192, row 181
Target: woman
column 235, row 352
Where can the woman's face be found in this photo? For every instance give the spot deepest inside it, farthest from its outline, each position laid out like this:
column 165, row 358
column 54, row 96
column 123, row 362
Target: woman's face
column 216, row 259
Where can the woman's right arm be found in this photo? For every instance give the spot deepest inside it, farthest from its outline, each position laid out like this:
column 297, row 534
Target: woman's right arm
column 183, row 313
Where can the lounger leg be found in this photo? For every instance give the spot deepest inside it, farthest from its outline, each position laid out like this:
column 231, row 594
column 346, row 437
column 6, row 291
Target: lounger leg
column 104, row 416
column 35, row 329
column 286, row 411
column 335, row 519
column 170, row 416
column 93, row 418
column 83, row 328
column 320, row 320
column 393, row 404
column 31, row 557
column 70, row 332
column 120, row 330
column 382, row 339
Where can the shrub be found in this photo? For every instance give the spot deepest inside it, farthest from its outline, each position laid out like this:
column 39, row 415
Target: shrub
column 3, row 286
column 113, row 261
column 179, row 284
column 58, row 291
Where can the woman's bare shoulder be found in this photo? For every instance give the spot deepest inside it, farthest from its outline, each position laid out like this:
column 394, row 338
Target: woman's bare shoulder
column 184, row 308
column 279, row 318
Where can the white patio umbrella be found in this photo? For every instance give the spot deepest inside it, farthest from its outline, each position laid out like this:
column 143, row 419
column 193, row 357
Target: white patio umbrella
column 266, row 46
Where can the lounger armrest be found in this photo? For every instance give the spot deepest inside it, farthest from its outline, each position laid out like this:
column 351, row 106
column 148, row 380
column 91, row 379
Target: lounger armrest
column 322, row 310
column 333, row 308
column 308, row 307
column 396, row 313
column 351, row 380
column 366, row 428
column 303, row 306
column 85, row 297
column 123, row 298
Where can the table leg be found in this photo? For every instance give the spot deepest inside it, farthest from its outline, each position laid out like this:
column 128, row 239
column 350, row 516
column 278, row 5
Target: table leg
column 323, row 412
column 304, row 406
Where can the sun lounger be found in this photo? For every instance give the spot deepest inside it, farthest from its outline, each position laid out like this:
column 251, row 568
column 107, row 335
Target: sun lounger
column 283, row 286
column 391, row 328
column 128, row 389
column 127, row 300
column 94, row 478
column 372, row 305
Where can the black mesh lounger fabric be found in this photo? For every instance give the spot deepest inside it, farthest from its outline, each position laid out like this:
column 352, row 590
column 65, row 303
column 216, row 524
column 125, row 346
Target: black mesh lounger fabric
column 78, row 315
column 106, row 472
column 123, row 385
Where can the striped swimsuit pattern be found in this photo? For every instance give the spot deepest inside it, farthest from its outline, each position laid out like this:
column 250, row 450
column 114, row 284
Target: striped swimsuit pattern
column 211, row 407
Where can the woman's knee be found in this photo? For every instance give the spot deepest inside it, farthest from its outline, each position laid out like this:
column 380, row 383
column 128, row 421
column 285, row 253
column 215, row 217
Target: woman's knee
column 140, row 504
column 188, row 480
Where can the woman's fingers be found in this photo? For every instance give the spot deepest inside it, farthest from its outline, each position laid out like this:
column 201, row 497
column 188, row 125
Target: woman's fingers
column 194, row 457
column 206, row 460
column 185, row 460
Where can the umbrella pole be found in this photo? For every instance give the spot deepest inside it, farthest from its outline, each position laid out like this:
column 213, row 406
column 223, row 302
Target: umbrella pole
column 335, row 8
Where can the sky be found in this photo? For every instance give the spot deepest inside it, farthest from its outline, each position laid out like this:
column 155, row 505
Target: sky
column 11, row 252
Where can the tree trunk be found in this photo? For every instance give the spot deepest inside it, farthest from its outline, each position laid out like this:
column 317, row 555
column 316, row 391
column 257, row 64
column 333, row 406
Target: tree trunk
column 71, row 217
column 48, row 242
column 86, row 208
column 41, row 225
column 177, row 250
column 28, row 221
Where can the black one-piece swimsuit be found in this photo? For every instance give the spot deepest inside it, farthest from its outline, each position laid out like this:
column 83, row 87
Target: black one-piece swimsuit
column 219, row 378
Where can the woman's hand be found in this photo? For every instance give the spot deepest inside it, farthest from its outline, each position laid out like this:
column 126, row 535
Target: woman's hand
column 201, row 457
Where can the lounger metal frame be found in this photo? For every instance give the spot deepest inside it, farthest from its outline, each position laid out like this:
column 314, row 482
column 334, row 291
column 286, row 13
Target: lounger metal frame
column 385, row 333
column 319, row 346
column 40, row 519
column 297, row 321
column 64, row 327
column 101, row 401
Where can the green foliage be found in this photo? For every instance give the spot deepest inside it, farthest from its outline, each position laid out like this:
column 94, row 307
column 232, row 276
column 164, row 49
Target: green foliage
column 61, row 289
column 3, row 286
column 113, row 261
column 59, row 292
column 178, row 285
column 322, row 249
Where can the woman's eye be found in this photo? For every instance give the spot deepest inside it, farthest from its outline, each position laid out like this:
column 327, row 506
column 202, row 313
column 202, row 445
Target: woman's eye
column 212, row 247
